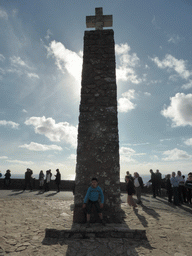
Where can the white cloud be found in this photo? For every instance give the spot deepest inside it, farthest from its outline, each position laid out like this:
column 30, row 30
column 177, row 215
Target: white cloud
column 180, row 110
column 49, row 33
column 187, row 85
column 188, row 142
column 2, row 58
column 126, row 155
column 20, row 162
column 14, row 70
column 9, row 123
column 3, row 15
column 62, row 131
column 125, row 71
column 2, row 71
column 175, row 154
column 72, row 157
column 154, row 157
column 171, row 62
column 66, row 60
column 124, row 103
column 32, row 75
column 24, row 111
column 175, row 39
column 17, row 61
column 3, row 157
column 40, row 147
column 162, row 140
column 148, row 94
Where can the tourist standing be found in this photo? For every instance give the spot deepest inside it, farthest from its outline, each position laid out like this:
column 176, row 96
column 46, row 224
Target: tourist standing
column 138, row 183
column 28, row 179
column 153, row 180
column 58, row 179
column 41, row 179
column 181, row 186
column 47, row 180
column 130, row 192
column 188, row 185
column 158, row 179
column 175, row 186
column 169, row 188
column 129, row 174
column 7, row 179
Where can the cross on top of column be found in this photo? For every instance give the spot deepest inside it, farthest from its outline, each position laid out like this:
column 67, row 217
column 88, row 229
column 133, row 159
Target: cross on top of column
column 99, row 20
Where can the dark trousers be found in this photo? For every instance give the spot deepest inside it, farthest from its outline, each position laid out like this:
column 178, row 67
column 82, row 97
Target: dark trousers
column 175, row 196
column 27, row 183
column 189, row 195
column 7, row 182
column 154, row 189
column 170, row 195
column 180, row 190
column 184, row 192
column 158, row 189
column 58, row 186
column 46, row 186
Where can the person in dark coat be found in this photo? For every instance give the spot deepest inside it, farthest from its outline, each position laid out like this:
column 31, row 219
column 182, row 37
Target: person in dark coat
column 188, row 185
column 130, row 191
column 28, row 179
column 58, row 179
column 7, row 179
column 158, row 181
column 169, row 188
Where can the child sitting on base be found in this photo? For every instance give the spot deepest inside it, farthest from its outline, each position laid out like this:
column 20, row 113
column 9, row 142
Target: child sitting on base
column 91, row 198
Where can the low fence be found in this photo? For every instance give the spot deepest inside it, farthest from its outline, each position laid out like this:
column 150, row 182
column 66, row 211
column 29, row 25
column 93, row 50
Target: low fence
column 66, row 185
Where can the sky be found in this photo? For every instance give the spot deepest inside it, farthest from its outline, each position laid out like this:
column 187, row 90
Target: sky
column 41, row 51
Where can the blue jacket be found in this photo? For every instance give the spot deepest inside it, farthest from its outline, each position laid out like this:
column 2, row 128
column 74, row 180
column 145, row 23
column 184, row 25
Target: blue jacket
column 93, row 194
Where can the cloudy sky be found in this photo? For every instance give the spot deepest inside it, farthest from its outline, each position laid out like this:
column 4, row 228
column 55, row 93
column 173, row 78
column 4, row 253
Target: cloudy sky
column 41, row 49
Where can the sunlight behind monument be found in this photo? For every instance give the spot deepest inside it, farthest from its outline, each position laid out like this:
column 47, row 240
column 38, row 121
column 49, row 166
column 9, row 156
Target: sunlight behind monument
column 98, row 139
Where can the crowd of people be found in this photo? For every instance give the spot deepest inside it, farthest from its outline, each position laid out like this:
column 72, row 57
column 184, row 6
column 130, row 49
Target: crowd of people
column 44, row 179
column 179, row 190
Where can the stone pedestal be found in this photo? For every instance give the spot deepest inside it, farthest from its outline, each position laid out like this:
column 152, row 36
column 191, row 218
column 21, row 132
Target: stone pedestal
column 98, row 140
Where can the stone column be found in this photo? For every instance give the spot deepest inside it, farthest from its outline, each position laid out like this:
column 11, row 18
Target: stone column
column 98, row 140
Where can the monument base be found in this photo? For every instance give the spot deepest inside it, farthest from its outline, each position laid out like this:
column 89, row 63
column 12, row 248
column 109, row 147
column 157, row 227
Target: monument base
column 96, row 231
column 110, row 215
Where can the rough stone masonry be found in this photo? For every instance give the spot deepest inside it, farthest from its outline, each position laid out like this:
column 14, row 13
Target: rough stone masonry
column 98, row 140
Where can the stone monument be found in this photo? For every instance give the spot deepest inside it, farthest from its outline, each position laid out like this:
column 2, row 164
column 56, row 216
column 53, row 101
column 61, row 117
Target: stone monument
column 98, row 140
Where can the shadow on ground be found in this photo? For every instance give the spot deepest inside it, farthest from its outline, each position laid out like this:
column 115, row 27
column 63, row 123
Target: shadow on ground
column 94, row 245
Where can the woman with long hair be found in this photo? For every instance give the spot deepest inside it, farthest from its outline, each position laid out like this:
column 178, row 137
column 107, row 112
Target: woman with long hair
column 130, row 191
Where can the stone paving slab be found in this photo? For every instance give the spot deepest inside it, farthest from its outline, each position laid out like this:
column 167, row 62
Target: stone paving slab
column 25, row 217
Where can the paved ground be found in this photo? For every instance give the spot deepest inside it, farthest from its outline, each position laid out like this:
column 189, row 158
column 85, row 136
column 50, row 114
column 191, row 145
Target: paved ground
column 25, row 216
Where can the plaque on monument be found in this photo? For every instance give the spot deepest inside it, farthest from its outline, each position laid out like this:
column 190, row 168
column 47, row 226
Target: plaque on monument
column 98, row 139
